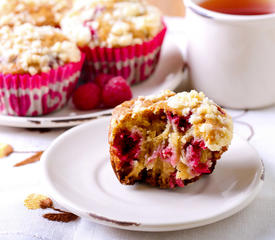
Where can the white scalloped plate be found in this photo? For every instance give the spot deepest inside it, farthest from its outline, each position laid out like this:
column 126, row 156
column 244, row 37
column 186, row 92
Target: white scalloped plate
column 168, row 75
column 79, row 176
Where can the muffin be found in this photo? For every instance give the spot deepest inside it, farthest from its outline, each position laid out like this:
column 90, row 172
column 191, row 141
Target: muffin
column 39, row 68
column 36, row 12
column 168, row 140
column 119, row 37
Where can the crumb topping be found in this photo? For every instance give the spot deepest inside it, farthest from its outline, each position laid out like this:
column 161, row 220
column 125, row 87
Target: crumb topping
column 111, row 23
column 209, row 121
column 34, row 200
column 31, row 49
column 5, row 150
column 36, row 12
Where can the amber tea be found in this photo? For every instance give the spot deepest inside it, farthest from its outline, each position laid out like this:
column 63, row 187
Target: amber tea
column 240, row 7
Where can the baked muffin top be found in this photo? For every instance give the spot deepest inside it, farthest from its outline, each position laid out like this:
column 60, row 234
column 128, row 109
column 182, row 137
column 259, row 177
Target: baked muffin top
column 111, row 23
column 209, row 122
column 31, row 49
column 36, row 12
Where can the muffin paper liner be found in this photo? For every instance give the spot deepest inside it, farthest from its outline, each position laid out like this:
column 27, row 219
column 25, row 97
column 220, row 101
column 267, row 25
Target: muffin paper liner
column 135, row 63
column 40, row 94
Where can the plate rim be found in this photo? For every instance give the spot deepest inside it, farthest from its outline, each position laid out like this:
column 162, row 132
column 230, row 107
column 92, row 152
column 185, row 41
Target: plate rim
column 56, row 195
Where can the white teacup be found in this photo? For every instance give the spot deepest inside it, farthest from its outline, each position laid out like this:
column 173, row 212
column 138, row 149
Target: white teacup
column 231, row 57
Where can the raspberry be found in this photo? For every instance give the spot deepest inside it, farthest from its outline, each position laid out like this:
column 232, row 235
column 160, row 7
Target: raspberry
column 193, row 156
column 127, row 144
column 116, row 91
column 102, row 79
column 182, row 123
column 87, row 96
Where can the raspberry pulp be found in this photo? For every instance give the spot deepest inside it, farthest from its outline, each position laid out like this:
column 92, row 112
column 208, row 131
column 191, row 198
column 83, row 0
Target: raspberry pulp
column 168, row 154
column 127, row 145
column 182, row 123
column 174, row 181
column 193, row 156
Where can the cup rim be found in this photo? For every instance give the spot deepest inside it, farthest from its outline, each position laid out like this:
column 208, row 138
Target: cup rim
column 194, row 7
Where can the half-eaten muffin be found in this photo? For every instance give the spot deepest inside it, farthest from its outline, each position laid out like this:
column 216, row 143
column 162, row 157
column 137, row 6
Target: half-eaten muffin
column 168, row 140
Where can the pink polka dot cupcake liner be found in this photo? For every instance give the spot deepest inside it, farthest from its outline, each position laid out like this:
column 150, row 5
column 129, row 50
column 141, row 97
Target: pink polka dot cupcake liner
column 135, row 63
column 40, row 94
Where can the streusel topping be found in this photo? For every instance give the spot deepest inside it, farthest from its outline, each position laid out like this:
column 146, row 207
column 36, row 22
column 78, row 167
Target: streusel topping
column 209, row 121
column 36, row 12
column 111, row 23
column 31, row 49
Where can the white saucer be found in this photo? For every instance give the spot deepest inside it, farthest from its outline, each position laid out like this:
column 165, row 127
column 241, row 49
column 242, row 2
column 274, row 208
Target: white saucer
column 168, row 75
column 78, row 175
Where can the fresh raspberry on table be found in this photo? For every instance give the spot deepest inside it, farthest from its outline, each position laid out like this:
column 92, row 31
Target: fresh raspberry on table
column 87, row 96
column 102, row 79
column 116, row 91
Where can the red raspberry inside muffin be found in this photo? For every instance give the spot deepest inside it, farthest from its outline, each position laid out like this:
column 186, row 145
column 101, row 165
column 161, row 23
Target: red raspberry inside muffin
column 128, row 145
column 182, row 123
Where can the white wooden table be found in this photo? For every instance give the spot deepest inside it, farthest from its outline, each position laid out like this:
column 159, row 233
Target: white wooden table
column 257, row 221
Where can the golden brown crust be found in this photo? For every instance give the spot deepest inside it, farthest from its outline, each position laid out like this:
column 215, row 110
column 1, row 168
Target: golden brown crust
column 126, row 109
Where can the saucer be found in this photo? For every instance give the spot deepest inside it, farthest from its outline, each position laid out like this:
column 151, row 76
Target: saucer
column 78, row 175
